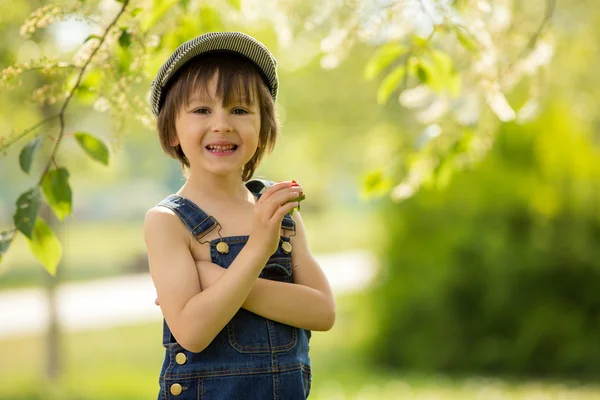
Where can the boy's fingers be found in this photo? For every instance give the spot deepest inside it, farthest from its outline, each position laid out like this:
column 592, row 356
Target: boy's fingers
column 275, row 188
column 281, row 198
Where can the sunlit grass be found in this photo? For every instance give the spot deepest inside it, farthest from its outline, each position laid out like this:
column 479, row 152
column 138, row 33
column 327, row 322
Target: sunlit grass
column 124, row 362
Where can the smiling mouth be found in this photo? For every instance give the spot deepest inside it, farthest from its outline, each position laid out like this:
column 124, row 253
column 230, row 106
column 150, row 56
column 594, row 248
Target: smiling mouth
column 222, row 148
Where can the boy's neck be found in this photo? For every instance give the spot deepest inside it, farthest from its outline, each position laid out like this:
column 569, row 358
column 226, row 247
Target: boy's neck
column 215, row 187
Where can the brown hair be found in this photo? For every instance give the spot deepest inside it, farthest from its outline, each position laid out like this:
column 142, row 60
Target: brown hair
column 238, row 78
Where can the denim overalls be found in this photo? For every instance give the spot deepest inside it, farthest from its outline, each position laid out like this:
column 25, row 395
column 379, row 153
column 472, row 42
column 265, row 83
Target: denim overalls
column 252, row 358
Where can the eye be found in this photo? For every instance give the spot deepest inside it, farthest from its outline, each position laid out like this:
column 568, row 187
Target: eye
column 239, row 111
column 201, row 111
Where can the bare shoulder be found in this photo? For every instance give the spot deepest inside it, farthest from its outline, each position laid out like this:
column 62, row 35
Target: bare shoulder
column 164, row 235
column 160, row 222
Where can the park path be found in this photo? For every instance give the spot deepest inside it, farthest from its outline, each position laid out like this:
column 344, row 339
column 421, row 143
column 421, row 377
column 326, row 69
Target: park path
column 129, row 299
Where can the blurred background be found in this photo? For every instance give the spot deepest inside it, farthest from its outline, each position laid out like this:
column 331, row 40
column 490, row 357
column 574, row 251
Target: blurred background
column 449, row 151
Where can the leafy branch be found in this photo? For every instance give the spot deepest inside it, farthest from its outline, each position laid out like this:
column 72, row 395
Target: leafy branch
column 19, row 136
column 425, row 76
column 61, row 114
column 53, row 182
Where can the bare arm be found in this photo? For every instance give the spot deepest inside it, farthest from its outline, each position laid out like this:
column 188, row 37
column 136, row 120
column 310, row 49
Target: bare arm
column 308, row 303
column 196, row 316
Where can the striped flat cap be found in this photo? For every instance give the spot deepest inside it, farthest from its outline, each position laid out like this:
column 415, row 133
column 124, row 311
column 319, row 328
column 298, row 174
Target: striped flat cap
column 212, row 42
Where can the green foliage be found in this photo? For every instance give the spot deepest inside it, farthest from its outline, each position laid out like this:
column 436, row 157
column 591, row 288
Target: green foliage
column 56, row 189
column 498, row 273
column 443, row 74
column 124, row 38
column 45, row 246
column 390, row 83
column 26, row 155
column 127, row 362
column 376, row 183
column 93, row 146
column 28, row 205
column 467, row 40
column 383, row 58
column 155, row 13
column 6, row 238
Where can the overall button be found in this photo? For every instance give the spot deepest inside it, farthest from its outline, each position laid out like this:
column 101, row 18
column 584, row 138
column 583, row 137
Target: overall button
column 286, row 247
column 222, row 247
column 180, row 358
column 176, row 389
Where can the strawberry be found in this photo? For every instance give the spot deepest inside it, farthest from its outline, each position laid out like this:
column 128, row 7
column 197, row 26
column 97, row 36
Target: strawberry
column 299, row 199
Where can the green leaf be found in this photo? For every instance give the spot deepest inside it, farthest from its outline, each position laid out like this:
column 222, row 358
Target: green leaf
column 125, row 58
column 389, row 84
column 443, row 62
column 28, row 205
column 120, row 1
column 454, row 85
column 26, row 156
column 466, row 39
column 446, row 74
column 125, row 38
column 136, row 11
column 94, row 147
column 422, row 73
column 383, row 58
column 92, row 37
column 376, row 183
column 299, row 199
column 436, row 69
column 45, row 246
column 6, row 238
column 418, row 41
column 56, row 189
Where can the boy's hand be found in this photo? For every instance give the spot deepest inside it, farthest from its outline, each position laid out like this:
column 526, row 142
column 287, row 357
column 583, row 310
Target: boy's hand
column 273, row 205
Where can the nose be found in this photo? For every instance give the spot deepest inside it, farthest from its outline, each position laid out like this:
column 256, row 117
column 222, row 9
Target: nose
column 220, row 121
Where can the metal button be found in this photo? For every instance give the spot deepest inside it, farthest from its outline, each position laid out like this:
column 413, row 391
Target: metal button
column 180, row 358
column 222, row 247
column 176, row 389
column 286, row 247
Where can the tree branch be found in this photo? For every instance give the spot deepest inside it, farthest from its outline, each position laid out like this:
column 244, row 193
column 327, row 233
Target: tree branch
column 61, row 115
column 18, row 137
column 550, row 7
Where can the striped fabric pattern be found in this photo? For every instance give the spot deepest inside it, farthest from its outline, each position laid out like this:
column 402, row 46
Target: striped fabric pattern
column 228, row 41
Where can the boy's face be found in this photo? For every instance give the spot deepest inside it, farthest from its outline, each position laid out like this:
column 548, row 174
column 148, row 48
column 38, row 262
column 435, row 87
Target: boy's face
column 216, row 139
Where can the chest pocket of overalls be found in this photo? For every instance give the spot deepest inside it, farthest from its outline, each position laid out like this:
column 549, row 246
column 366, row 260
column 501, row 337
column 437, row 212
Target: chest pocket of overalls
column 250, row 333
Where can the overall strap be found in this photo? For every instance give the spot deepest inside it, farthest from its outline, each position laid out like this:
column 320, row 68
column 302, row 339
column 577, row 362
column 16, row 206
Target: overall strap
column 196, row 220
column 258, row 186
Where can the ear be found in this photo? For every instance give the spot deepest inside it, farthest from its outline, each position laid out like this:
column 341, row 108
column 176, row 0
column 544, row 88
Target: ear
column 174, row 141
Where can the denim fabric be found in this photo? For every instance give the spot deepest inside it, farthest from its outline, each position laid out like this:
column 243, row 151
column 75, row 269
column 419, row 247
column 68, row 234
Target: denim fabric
column 252, row 358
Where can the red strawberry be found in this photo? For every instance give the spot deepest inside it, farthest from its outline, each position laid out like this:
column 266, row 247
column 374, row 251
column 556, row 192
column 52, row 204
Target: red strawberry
column 299, row 199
